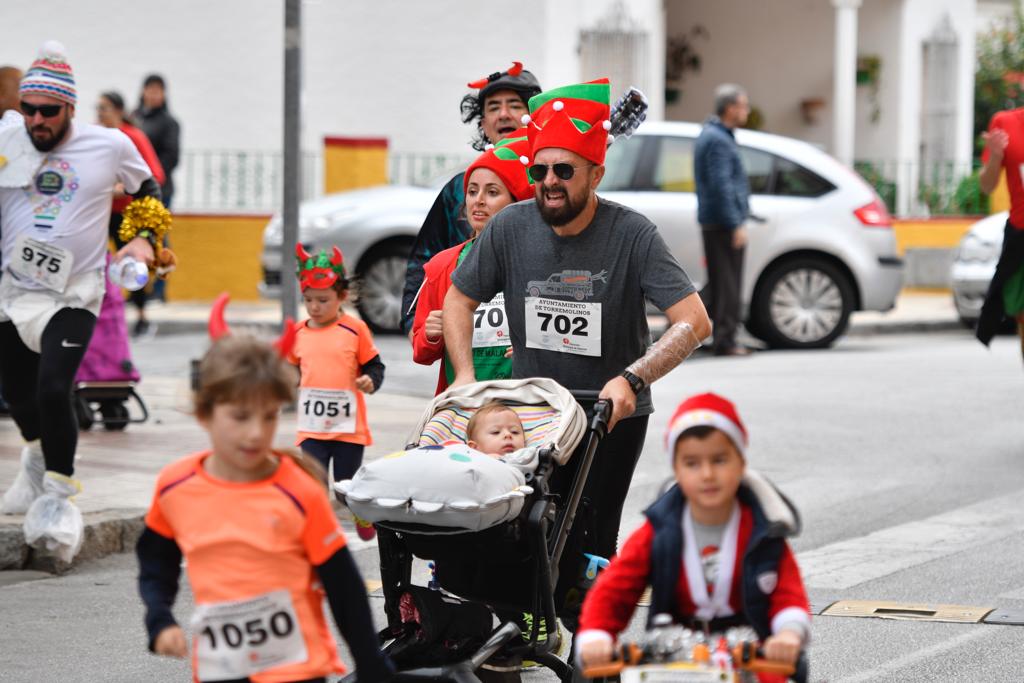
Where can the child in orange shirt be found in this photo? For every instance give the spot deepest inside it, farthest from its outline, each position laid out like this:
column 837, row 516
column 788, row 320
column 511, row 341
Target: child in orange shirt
column 261, row 541
column 338, row 364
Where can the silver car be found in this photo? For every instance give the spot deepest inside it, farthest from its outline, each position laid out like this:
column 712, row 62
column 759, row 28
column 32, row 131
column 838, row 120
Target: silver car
column 825, row 247
column 974, row 264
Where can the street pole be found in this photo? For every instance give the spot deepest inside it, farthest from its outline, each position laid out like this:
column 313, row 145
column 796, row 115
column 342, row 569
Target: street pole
column 292, row 154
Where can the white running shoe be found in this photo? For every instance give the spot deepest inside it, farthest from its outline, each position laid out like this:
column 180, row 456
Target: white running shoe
column 28, row 484
column 53, row 521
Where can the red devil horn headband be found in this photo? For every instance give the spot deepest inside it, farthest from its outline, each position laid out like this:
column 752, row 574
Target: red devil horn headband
column 219, row 328
column 515, row 70
column 301, row 252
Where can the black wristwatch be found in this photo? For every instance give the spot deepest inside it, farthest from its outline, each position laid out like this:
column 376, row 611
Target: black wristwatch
column 635, row 383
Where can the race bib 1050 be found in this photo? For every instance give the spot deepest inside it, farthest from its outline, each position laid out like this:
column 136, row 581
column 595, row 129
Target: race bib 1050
column 239, row 638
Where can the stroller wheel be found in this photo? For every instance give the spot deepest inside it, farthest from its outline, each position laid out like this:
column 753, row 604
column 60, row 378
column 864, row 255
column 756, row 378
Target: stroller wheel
column 115, row 415
column 83, row 413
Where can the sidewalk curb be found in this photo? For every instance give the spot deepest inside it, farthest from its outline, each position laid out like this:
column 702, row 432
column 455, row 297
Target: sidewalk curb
column 106, row 532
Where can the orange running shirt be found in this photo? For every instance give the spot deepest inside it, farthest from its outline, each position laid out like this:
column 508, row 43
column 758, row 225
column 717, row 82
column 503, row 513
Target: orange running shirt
column 244, row 540
column 329, row 358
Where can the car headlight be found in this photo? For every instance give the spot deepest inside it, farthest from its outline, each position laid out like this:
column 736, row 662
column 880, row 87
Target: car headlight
column 974, row 249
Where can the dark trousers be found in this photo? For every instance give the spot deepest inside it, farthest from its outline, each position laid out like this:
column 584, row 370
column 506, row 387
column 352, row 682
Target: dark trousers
column 725, row 275
column 596, row 529
column 346, row 457
column 37, row 386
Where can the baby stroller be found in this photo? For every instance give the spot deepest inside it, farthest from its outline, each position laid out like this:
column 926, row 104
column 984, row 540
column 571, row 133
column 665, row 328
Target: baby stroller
column 107, row 377
column 491, row 552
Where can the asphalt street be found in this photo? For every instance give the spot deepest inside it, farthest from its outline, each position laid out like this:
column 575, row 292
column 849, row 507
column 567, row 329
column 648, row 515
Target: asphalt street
column 902, row 452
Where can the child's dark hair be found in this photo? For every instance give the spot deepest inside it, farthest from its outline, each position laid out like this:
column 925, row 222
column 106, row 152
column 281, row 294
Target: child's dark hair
column 240, row 368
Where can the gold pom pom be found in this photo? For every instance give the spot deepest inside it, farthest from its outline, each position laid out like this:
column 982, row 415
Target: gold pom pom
column 146, row 213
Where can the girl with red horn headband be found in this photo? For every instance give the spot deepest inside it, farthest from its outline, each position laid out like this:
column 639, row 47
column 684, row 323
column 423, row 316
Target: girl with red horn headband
column 258, row 534
column 339, row 364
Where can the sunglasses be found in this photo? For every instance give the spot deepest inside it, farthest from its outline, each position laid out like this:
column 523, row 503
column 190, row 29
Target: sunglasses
column 46, row 110
column 563, row 171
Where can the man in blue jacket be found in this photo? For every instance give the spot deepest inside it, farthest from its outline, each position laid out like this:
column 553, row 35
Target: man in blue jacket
column 722, row 208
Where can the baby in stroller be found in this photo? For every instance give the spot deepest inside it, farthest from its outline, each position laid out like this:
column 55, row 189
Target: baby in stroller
column 495, row 529
column 495, row 430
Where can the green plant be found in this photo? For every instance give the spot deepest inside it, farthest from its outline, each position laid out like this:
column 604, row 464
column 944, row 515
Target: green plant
column 869, row 69
column 885, row 188
column 681, row 58
column 999, row 75
column 968, row 199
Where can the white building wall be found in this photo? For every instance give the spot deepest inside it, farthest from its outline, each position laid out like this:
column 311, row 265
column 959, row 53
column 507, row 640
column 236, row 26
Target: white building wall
column 391, row 68
column 779, row 50
column 879, row 24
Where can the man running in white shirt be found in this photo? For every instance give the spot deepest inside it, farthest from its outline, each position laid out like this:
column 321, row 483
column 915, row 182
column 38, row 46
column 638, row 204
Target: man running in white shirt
column 57, row 179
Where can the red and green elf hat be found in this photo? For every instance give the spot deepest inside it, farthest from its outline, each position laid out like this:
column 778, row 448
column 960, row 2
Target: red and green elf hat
column 573, row 117
column 509, row 159
column 320, row 271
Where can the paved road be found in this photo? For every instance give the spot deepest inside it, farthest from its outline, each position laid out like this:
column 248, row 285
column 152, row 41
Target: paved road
column 903, row 454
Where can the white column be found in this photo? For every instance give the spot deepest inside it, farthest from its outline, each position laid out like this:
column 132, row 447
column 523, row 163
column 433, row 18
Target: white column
column 845, row 76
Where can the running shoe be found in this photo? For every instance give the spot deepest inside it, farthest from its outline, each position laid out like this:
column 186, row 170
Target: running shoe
column 542, row 637
column 364, row 529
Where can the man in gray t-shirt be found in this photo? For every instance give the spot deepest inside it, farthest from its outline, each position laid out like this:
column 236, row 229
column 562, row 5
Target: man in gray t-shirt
column 575, row 303
column 575, row 270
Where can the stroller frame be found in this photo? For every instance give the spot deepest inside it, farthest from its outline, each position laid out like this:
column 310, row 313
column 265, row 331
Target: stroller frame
column 547, row 530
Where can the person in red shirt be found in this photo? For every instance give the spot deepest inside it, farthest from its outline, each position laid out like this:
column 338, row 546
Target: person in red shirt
column 110, row 113
column 711, row 548
column 496, row 179
column 1004, row 150
column 261, row 543
column 339, row 364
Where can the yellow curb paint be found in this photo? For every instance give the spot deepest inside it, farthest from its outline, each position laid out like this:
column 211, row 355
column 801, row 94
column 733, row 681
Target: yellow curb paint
column 216, row 254
column 372, row 585
column 931, row 233
column 882, row 609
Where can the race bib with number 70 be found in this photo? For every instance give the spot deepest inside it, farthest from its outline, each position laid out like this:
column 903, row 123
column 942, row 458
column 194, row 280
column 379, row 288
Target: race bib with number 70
column 43, row 263
column 563, row 326
column 327, row 411
column 239, row 638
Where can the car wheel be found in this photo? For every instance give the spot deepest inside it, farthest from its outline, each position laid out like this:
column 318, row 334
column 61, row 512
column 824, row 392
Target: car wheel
column 802, row 304
column 381, row 280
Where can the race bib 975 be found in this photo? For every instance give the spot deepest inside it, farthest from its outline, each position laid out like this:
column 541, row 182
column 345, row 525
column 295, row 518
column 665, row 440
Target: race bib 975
column 43, row 263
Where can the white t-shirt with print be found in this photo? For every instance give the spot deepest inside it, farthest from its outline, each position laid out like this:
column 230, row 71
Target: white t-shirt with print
column 68, row 202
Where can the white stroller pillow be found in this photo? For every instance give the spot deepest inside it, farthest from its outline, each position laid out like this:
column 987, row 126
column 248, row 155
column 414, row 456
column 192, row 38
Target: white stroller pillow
column 450, row 486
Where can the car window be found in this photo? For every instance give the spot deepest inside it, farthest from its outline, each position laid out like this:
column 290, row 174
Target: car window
column 758, row 165
column 793, row 180
column 620, row 164
column 674, row 169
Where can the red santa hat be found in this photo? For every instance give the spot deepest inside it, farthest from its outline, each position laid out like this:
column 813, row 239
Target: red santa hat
column 509, row 159
column 707, row 410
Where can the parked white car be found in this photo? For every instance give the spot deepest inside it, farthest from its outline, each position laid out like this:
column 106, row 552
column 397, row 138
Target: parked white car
column 825, row 249
column 974, row 265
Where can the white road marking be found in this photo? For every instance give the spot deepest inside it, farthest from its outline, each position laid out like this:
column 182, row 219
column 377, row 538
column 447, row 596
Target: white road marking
column 911, row 658
column 848, row 563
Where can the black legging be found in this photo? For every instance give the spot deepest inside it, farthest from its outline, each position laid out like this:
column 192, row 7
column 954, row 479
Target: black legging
column 37, row 386
column 596, row 529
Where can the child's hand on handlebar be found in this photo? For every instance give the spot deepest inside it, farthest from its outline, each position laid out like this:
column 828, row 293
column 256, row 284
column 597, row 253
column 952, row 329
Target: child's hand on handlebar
column 596, row 652
column 784, row 646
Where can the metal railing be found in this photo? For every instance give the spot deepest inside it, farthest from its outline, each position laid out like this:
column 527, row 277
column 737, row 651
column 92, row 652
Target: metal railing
column 920, row 190
column 250, row 181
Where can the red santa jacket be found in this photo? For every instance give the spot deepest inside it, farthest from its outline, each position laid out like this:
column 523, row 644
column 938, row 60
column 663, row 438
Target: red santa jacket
column 766, row 587
column 437, row 279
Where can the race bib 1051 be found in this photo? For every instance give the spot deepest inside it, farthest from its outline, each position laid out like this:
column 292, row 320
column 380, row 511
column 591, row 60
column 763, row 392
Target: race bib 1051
column 327, row 411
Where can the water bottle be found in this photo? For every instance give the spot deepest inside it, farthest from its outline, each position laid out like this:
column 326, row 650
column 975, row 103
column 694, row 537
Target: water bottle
column 128, row 273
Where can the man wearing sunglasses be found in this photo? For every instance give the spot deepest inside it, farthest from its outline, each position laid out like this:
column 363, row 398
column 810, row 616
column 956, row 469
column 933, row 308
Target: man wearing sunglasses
column 496, row 107
column 576, row 270
column 56, row 187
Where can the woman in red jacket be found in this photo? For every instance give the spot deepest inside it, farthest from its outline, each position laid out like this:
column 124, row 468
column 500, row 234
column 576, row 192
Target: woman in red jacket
column 492, row 182
column 110, row 113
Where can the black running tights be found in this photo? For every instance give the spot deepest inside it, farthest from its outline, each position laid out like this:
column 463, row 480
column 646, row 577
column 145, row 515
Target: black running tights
column 37, row 386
